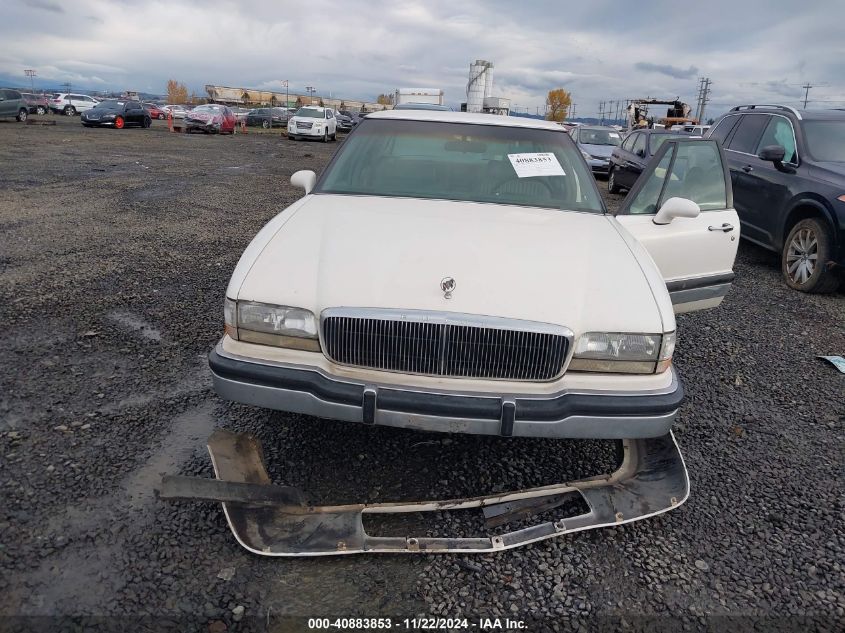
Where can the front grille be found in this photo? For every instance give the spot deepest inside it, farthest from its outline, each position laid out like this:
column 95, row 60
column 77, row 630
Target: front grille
column 445, row 344
column 302, row 125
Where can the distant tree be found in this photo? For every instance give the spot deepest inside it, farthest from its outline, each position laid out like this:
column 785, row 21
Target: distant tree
column 558, row 103
column 176, row 92
column 711, row 121
column 384, row 99
column 298, row 102
column 321, row 104
column 342, row 106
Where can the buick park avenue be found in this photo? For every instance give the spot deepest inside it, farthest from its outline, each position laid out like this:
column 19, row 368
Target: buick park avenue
column 459, row 273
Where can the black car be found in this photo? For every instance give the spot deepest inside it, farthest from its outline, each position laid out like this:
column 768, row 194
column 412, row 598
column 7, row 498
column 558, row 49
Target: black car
column 117, row 114
column 629, row 159
column 788, row 172
column 354, row 117
column 261, row 116
column 344, row 123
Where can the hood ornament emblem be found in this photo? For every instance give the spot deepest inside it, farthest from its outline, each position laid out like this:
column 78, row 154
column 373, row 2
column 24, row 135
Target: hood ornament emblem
column 447, row 285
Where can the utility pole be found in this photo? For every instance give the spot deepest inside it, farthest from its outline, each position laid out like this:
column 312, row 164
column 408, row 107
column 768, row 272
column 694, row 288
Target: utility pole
column 601, row 112
column 287, row 98
column 572, row 114
column 610, row 111
column 29, row 72
column 806, row 88
column 705, row 97
column 66, row 86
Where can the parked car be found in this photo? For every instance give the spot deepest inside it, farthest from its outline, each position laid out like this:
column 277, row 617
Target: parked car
column 70, row 104
column 353, row 116
column 344, row 123
column 117, row 114
column 239, row 113
column 13, row 104
column 696, row 130
column 261, row 116
column 178, row 111
column 37, row 104
column 313, row 122
column 628, row 160
column 212, row 117
column 155, row 112
column 788, row 173
column 596, row 144
column 460, row 273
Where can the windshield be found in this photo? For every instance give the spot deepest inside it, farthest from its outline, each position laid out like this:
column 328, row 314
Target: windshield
column 599, row 137
column 110, row 105
column 310, row 113
column 826, row 140
column 457, row 161
column 656, row 140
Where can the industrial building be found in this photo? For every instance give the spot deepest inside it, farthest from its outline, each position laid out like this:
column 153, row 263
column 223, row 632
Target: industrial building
column 480, row 91
column 250, row 97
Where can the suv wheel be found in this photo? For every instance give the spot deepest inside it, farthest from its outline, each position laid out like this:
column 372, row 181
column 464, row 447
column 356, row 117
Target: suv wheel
column 70, row 110
column 41, row 110
column 22, row 114
column 805, row 255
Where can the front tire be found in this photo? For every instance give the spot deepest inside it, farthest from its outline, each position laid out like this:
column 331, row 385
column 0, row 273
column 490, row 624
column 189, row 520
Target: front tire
column 147, row 122
column 612, row 187
column 41, row 110
column 265, row 125
column 326, row 136
column 22, row 114
column 806, row 251
column 119, row 123
column 70, row 110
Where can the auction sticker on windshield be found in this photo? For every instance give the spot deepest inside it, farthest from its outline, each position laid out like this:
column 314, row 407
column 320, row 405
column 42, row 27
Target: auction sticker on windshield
column 537, row 164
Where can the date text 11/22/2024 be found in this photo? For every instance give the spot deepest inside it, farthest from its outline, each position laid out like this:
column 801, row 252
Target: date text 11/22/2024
column 421, row 624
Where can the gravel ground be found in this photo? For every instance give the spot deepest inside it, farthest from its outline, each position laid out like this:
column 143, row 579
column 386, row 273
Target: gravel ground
column 115, row 250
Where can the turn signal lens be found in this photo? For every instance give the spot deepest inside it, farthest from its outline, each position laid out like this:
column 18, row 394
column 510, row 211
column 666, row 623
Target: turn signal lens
column 841, row 198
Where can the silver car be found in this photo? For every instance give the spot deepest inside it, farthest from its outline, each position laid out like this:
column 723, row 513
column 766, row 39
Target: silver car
column 596, row 144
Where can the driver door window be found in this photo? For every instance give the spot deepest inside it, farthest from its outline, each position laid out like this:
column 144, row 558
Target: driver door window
column 779, row 132
column 639, row 145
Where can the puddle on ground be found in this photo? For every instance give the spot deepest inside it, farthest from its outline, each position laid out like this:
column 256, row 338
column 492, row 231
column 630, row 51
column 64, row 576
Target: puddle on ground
column 188, row 433
column 135, row 324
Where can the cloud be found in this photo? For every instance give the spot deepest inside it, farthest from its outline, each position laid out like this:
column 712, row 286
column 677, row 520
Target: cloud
column 44, row 5
column 666, row 69
column 381, row 45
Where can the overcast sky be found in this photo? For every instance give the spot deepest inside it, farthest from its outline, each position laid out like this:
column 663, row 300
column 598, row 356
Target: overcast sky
column 598, row 50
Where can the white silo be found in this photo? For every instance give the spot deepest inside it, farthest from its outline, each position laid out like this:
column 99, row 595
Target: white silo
column 477, row 84
column 488, row 81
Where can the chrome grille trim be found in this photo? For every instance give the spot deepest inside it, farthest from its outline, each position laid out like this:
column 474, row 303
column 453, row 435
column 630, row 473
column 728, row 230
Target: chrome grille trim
column 447, row 344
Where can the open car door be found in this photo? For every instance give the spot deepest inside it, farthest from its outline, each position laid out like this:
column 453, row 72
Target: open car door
column 694, row 248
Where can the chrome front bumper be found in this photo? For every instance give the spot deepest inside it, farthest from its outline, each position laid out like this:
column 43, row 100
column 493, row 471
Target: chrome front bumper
column 277, row 520
column 567, row 414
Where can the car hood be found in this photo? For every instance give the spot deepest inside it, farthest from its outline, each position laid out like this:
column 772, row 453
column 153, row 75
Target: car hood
column 562, row 267
column 597, row 150
column 203, row 116
column 833, row 173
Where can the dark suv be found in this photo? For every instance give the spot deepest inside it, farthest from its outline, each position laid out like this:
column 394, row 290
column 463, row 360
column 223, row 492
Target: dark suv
column 788, row 172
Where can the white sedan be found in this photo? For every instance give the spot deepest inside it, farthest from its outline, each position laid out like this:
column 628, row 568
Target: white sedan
column 460, row 273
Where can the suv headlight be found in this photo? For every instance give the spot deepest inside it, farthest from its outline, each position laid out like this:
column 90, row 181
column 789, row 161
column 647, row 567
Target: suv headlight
column 267, row 324
column 622, row 353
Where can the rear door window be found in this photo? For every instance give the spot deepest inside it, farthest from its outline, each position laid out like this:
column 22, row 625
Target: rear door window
column 724, row 128
column 748, row 133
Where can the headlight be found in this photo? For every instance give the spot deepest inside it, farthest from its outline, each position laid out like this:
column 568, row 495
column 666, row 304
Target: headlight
column 623, row 353
column 586, row 155
column 266, row 324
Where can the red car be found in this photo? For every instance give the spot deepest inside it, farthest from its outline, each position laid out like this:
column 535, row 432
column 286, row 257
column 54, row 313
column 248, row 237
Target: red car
column 154, row 111
column 211, row 117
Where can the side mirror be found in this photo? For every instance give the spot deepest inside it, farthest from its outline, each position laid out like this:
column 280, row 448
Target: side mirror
column 305, row 179
column 772, row 153
column 676, row 208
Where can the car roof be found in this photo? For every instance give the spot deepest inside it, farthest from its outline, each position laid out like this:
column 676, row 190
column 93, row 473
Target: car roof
column 471, row 118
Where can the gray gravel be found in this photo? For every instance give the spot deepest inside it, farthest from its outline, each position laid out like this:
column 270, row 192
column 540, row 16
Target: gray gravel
column 115, row 250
